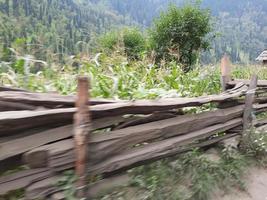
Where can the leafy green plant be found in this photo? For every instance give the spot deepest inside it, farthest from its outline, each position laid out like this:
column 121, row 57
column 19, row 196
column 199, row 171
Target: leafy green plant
column 255, row 143
column 191, row 174
column 134, row 42
column 181, row 33
column 130, row 41
column 66, row 184
column 109, row 40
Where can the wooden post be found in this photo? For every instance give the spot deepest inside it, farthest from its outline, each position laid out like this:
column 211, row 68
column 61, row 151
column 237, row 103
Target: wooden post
column 249, row 100
column 81, row 132
column 247, row 116
column 225, row 72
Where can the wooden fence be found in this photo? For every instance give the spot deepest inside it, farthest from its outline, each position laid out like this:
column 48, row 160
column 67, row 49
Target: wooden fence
column 37, row 131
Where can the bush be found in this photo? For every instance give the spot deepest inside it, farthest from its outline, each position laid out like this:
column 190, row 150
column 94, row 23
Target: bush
column 109, row 40
column 131, row 40
column 134, row 43
column 180, row 34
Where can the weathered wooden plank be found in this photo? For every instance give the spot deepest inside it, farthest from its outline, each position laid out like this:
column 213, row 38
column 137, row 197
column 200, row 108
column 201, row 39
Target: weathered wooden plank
column 16, row 146
column 260, row 108
column 260, row 122
column 119, row 140
column 46, row 189
column 162, row 149
column 261, row 83
column 42, row 189
column 20, row 120
column 49, row 100
column 9, row 106
column 22, row 179
column 157, row 116
column 148, row 152
column 39, row 180
column 262, row 128
column 14, row 121
column 21, row 145
column 5, row 88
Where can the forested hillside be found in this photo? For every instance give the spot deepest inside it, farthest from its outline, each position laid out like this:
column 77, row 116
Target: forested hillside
column 52, row 28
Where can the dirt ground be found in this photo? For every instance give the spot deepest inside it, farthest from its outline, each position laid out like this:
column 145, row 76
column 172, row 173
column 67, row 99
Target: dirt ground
column 256, row 187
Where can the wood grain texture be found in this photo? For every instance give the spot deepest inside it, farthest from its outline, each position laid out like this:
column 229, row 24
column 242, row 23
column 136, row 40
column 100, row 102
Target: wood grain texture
column 13, row 121
column 162, row 149
column 64, row 160
column 16, row 146
column 22, row 179
column 261, row 83
column 104, row 145
column 11, row 106
column 48, row 100
column 5, row 88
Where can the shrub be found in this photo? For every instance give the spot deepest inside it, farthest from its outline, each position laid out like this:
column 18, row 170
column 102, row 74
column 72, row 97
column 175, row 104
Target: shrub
column 109, row 40
column 180, row 34
column 131, row 40
column 134, row 42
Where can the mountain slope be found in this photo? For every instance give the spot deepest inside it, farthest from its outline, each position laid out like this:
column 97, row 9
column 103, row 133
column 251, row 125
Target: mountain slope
column 48, row 27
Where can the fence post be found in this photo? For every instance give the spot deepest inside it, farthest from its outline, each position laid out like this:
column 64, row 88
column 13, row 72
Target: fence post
column 247, row 116
column 81, row 132
column 249, row 99
column 225, row 72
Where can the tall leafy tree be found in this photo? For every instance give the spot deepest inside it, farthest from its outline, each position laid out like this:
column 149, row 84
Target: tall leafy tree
column 181, row 33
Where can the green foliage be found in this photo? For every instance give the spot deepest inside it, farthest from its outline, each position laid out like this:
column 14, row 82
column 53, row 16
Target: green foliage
column 18, row 66
column 50, row 30
column 191, row 176
column 255, row 143
column 130, row 40
column 181, row 34
column 116, row 77
column 109, row 40
column 134, row 42
column 67, row 184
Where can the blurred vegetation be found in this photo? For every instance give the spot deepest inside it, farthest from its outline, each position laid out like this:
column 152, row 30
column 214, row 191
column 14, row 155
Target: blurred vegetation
column 181, row 34
column 130, row 41
column 114, row 76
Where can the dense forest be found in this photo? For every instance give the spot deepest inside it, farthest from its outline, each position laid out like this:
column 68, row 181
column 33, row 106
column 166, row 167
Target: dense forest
column 54, row 28
column 50, row 29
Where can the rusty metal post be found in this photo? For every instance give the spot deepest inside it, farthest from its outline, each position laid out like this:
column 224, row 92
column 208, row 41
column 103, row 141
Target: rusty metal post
column 225, row 72
column 81, row 134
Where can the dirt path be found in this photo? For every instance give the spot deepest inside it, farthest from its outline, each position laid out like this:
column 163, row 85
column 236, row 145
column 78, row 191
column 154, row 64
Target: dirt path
column 256, row 184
